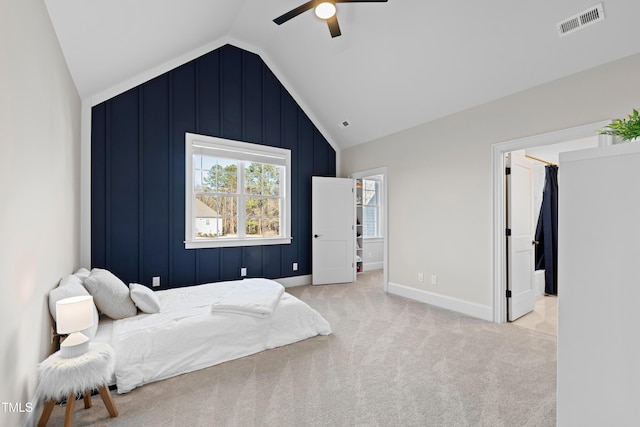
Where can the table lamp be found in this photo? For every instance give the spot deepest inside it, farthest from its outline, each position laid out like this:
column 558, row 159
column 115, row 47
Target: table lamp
column 74, row 315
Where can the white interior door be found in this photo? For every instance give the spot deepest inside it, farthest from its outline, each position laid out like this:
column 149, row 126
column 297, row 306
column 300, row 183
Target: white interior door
column 332, row 228
column 520, row 267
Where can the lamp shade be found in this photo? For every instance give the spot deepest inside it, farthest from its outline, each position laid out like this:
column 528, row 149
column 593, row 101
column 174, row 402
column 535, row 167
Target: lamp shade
column 74, row 314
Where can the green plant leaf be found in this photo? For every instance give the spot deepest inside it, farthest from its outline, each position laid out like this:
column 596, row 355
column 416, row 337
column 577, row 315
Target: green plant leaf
column 625, row 129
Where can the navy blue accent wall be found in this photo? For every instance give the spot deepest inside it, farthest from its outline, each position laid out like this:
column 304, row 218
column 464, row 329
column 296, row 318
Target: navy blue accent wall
column 137, row 169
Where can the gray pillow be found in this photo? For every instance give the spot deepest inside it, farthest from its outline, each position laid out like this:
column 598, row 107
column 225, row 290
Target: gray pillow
column 71, row 286
column 110, row 294
column 144, row 298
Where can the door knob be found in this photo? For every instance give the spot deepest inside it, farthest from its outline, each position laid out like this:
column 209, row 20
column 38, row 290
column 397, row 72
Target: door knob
column 535, row 242
column 316, row 235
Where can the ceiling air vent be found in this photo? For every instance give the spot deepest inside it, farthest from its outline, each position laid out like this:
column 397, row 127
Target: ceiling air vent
column 580, row 20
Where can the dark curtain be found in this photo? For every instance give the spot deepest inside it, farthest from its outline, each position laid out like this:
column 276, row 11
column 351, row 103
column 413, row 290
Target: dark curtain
column 547, row 232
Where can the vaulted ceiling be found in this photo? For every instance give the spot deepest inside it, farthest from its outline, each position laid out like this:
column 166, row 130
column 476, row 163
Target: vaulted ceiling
column 397, row 64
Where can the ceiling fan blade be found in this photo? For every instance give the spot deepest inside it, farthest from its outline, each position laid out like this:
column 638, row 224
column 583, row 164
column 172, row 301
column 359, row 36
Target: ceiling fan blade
column 361, row 1
column 294, row 12
column 334, row 28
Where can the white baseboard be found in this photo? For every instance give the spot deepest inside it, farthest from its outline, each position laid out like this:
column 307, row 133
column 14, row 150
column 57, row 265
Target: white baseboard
column 290, row 282
column 472, row 309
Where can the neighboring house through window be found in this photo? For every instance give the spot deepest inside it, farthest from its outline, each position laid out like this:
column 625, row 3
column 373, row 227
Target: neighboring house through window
column 236, row 194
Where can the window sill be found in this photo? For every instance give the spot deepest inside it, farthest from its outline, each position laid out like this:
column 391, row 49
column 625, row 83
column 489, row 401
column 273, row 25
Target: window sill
column 222, row 243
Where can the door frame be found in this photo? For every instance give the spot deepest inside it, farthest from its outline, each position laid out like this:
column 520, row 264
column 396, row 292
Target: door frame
column 498, row 192
column 385, row 217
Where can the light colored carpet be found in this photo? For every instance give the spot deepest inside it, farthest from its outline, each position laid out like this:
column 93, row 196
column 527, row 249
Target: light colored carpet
column 389, row 362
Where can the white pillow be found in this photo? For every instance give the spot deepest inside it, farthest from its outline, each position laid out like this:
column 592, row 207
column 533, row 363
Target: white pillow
column 71, row 286
column 144, row 298
column 82, row 273
column 110, row 294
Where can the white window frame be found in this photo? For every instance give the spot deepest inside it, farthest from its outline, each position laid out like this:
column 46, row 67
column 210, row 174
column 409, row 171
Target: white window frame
column 378, row 222
column 241, row 151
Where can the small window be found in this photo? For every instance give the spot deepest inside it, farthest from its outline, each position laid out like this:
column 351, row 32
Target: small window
column 370, row 208
column 236, row 194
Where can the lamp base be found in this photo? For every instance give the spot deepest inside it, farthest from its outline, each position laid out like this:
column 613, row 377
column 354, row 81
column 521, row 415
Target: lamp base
column 74, row 345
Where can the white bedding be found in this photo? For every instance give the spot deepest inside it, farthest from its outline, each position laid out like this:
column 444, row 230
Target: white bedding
column 186, row 335
column 251, row 297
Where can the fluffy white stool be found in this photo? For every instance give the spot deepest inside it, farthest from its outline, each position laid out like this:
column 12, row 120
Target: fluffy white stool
column 59, row 378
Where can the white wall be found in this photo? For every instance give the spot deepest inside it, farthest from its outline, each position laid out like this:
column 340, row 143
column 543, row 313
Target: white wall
column 373, row 254
column 439, row 178
column 598, row 234
column 39, row 184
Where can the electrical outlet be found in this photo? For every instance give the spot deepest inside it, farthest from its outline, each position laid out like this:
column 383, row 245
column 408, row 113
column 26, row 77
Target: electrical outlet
column 434, row 279
column 53, row 334
column 420, row 277
column 243, row 272
column 155, row 282
column 295, row 266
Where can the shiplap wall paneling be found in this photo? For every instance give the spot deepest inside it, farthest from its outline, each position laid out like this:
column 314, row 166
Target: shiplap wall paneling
column 138, row 169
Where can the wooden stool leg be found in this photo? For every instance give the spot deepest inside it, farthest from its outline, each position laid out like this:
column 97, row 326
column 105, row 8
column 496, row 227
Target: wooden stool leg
column 108, row 401
column 46, row 413
column 68, row 414
column 87, row 399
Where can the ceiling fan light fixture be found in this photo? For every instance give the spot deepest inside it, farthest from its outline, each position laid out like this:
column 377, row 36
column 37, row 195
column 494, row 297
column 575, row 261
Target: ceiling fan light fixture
column 325, row 10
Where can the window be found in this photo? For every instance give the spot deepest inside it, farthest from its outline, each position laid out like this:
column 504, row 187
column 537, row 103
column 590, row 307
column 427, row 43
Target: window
column 237, row 193
column 370, row 208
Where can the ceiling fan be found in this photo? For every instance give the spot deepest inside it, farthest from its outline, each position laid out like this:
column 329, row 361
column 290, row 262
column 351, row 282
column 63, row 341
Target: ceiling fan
column 324, row 9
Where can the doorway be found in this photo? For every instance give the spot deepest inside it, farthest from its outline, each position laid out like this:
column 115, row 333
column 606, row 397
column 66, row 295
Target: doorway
column 374, row 226
column 533, row 145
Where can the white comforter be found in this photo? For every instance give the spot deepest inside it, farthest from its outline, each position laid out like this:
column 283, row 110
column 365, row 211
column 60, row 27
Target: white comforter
column 186, row 335
column 251, row 297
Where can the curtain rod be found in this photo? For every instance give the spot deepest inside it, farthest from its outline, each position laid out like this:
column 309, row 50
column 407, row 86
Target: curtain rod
column 540, row 160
